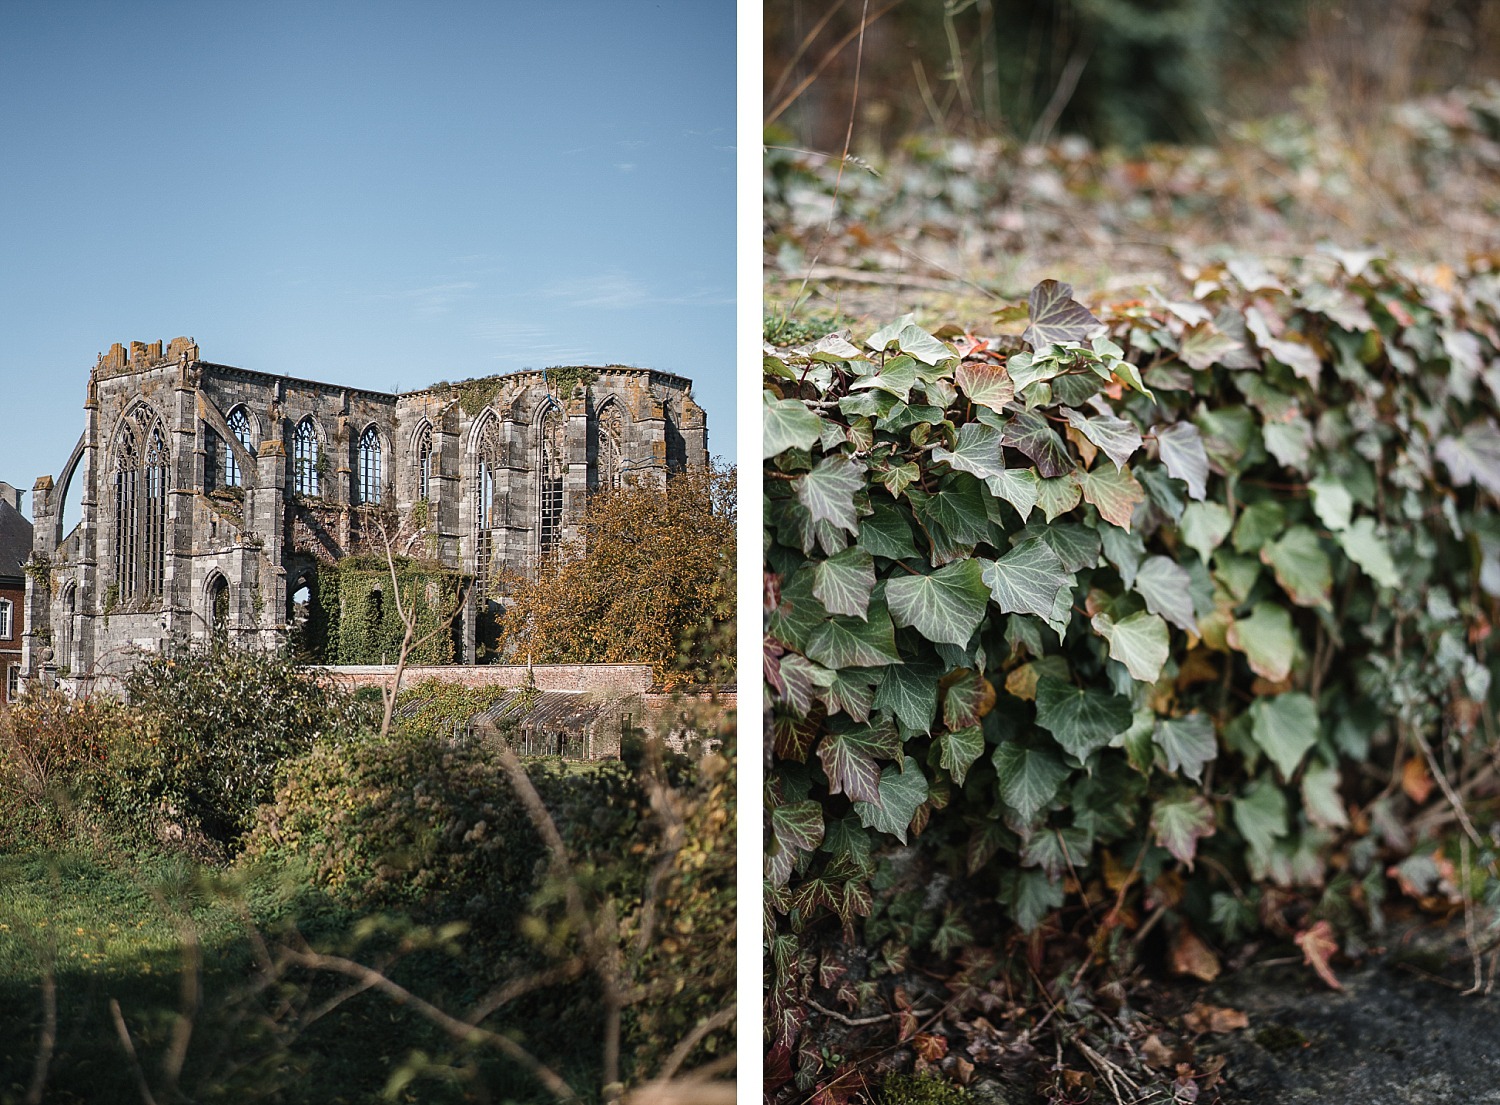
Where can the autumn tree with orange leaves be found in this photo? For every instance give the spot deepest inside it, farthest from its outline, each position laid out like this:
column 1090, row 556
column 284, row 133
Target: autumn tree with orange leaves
column 651, row 581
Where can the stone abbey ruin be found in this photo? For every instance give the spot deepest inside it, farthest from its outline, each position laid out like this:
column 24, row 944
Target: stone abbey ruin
column 214, row 498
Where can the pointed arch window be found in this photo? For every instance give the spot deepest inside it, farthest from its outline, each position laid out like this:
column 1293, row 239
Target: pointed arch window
column 305, row 459
column 141, row 459
column 369, row 466
column 489, row 511
column 610, row 432
column 239, row 426
column 549, row 470
column 424, row 463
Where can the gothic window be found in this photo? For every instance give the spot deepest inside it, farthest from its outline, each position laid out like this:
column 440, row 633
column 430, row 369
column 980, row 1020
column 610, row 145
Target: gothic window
column 239, row 426
column 489, row 455
column 369, row 466
column 610, row 432
column 549, row 472
column 676, row 444
column 424, row 462
column 218, row 608
column 305, row 459
column 141, row 457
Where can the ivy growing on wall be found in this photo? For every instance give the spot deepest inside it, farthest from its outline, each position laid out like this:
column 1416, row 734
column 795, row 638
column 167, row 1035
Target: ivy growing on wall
column 355, row 618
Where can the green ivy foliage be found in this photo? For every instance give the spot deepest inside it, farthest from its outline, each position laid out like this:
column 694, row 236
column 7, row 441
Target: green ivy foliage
column 355, row 619
column 1183, row 581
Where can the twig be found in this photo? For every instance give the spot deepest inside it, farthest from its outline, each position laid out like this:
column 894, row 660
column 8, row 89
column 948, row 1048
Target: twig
column 685, row 1046
column 135, row 1064
column 856, row 1022
column 48, row 1041
column 459, row 1030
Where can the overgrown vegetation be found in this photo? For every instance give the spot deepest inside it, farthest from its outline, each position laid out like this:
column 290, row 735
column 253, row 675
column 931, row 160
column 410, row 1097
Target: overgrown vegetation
column 442, row 879
column 354, row 618
column 651, row 581
column 1174, row 618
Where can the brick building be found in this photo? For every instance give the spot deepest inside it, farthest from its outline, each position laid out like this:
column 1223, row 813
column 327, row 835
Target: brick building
column 210, row 494
column 15, row 550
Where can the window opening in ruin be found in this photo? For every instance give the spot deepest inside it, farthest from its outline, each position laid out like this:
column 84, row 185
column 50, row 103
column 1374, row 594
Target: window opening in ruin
column 676, row 443
column 610, row 431
column 550, row 480
column 424, row 462
column 305, row 459
column 488, row 514
column 369, row 466
column 141, row 506
column 64, row 651
column 239, row 426
column 218, row 608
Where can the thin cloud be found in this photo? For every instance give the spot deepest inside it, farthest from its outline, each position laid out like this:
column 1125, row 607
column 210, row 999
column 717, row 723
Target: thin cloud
column 607, row 291
column 434, row 299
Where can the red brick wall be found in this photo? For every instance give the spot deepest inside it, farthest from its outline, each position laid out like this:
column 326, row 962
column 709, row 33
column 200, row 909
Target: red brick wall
column 10, row 647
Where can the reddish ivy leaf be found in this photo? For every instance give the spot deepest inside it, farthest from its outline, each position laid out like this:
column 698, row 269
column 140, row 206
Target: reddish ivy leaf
column 1318, row 945
column 1057, row 317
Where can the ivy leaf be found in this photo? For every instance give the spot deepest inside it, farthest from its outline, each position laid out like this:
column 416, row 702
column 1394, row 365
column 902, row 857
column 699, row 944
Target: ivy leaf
column 1188, row 743
column 1029, row 777
column 795, row 828
column 852, row 691
column 1140, row 642
column 1182, row 452
column 976, row 451
column 1204, row 345
column 1117, row 438
column 1056, row 851
column 868, row 642
column 1167, row 589
column 801, row 680
column 1473, row 456
column 827, row 492
column 910, row 691
column 1369, row 550
column 788, row 424
column 1285, row 726
column 1258, row 523
column 1080, row 720
column 1029, row 895
column 988, row 385
column 1261, row 817
column 849, row 761
column 896, row 377
column 1026, row 580
column 958, row 749
column 901, row 791
column 911, row 339
column 843, row 583
column 1056, row 317
column 1290, row 442
column 1180, row 821
column 1124, row 550
column 887, row 533
column 1026, row 369
column 1076, row 546
column 1267, row 640
column 1113, row 492
column 947, row 605
column 1298, row 357
column 967, row 699
column 1058, row 496
column 1320, row 797
column 1332, row 502
column 1030, row 434
column 1301, row 566
column 1020, row 487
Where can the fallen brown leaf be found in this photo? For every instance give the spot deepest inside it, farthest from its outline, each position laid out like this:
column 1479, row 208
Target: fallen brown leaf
column 1191, row 956
column 1214, row 1018
column 1318, row 945
column 1416, row 781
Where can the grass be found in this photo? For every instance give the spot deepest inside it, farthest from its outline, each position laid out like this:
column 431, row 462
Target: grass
column 111, row 929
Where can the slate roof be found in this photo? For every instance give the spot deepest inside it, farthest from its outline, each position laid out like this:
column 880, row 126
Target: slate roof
column 15, row 542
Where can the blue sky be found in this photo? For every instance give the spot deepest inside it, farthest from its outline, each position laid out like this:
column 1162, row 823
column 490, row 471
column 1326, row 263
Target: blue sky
column 383, row 194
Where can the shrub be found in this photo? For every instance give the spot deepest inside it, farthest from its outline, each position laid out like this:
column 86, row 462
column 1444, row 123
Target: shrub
column 208, row 731
column 431, row 826
column 50, row 746
column 1191, row 580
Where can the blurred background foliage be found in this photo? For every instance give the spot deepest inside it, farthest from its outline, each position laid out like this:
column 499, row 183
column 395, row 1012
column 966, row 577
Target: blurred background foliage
column 1118, row 72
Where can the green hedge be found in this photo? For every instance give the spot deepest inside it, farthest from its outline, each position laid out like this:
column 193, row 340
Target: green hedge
column 1184, row 580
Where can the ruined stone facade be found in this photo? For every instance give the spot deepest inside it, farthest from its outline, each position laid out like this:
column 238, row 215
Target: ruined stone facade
column 210, row 493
